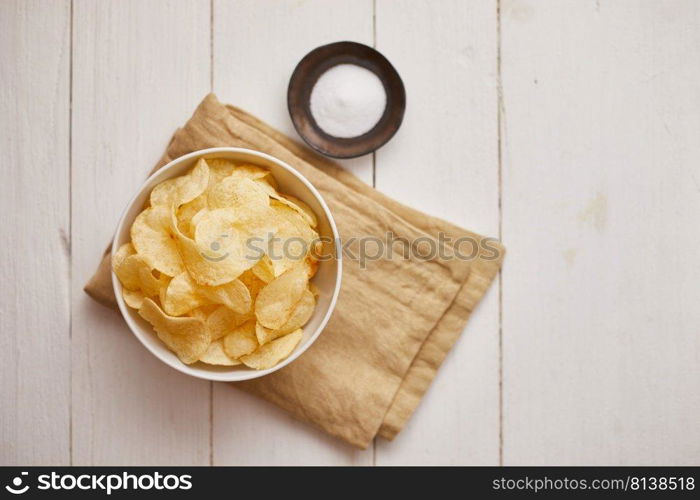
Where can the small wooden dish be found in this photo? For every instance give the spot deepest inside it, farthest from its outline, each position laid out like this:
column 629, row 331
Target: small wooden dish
column 303, row 79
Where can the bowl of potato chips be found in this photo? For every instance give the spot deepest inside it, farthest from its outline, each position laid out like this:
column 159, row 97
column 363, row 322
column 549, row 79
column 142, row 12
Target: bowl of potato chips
column 225, row 264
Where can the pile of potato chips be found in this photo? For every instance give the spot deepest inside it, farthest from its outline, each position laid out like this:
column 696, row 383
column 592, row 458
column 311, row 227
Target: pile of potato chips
column 219, row 263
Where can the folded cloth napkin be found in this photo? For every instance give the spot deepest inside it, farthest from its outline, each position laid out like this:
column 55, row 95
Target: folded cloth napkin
column 396, row 317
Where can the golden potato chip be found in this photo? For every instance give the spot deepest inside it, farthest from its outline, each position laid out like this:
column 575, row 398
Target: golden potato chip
column 220, row 260
column 296, row 202
column 284, row 200
column 252, row 283
column 264, row 270
column 182, row 295
column 183, row 189
column 301, row 314
column 216, row 355
column 219, row 168
column 241, row 340
column 244, row 196
column 270, row 354
column 292, row 241
column 128, row 270
column 275, row 303
column 258, row 174
column 223, row 321
column 234, row 295
column 124, row 251
column 187, row 212
column 133, row 298
column 152, row 237
column 203, row 312
column 187, row 337
column 314, row 289
column 311, row 266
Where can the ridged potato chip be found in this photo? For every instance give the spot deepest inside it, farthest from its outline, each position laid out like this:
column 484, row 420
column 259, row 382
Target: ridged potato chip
column 183, row 189
column 270, row 354
column 241, row 341
column 216, row 355
column 223, row 321
column 152, row 237
column 187, row 337
column 275, row 302
column 301, row 314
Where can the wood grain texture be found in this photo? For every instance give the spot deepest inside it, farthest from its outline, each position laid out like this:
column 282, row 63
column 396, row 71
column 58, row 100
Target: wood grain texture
column 444, row 160
column 601, row 209
column 34, row 211
column 255, row 51
column 139, row 70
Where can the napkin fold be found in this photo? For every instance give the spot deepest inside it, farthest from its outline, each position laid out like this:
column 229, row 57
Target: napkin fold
column 396, row 317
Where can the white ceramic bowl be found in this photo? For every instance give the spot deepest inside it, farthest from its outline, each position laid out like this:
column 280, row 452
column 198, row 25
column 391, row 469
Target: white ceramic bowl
column 327, row 278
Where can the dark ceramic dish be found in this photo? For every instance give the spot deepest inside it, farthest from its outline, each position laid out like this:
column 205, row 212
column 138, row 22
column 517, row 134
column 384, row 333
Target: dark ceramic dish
column 307, row 72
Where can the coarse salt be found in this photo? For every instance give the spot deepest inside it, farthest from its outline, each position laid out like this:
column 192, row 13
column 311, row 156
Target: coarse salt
column 347, row 100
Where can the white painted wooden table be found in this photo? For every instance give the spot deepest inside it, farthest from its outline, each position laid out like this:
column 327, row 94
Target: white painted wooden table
column 569, row 128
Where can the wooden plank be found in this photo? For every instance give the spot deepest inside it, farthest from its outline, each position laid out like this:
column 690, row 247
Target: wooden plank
column 255, row 51
column 444, row 160
column 34, row 210
column 601, row 206
column 139, row 70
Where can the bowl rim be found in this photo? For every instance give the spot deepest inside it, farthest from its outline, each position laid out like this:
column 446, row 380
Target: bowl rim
column 225, row 376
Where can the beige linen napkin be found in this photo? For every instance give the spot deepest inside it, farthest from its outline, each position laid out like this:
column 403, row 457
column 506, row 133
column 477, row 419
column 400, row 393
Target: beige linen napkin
column 395, row 320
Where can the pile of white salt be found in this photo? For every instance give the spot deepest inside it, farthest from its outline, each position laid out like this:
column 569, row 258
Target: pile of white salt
column 347, row 101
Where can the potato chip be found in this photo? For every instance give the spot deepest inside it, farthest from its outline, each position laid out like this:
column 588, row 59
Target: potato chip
column 219, row 168
column 252, row 283
column 203, row 312
column 216, row 355
column 311, row 266
column 152, row 237
column 182, row 295
column 187, row 337
column 187, row 212
column 183, row 189
column 240, row 194
column 133, row 298
column 270, row 354
column 314, row 290
column 234, row 295
column 223, row 321
column 301, row 314
column 275, row 303
column 296, row 202
column 284, row 200
column 264, row 270
column 214, row 263
column 258, row 174
column 241, row 340
column 292, row 241
column 128, row 270
column 124, row 251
